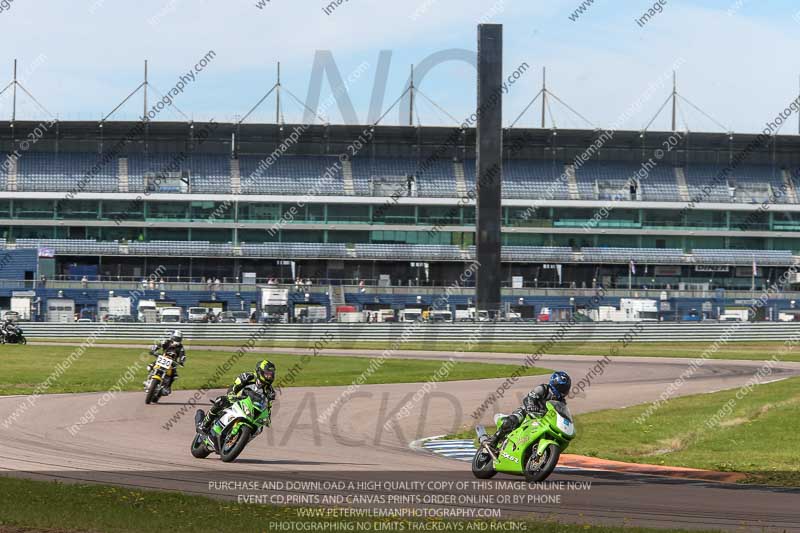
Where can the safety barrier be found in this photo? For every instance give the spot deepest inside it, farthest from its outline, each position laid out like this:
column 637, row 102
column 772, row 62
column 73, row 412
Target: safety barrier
column 500, row 332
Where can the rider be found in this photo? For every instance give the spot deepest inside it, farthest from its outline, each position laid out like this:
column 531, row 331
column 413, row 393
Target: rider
column 534, row 403
column 260, row 381
column 172, row 345
column 6, row 328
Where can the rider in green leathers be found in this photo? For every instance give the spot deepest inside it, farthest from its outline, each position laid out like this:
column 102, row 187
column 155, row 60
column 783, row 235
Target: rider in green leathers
column 260, row 381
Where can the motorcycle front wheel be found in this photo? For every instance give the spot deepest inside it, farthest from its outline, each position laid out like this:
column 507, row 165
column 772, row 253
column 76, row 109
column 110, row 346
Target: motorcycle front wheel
column 483, row 465
column 23, row 340
column 199, row 449
column 539, row 467
column 152, row 392
column 233, row 446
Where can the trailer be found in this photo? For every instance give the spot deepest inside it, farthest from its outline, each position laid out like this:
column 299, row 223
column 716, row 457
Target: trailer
column 60, row 310
column 119, row 306
column 22, row 306
column 146, row 311
column 274, row 305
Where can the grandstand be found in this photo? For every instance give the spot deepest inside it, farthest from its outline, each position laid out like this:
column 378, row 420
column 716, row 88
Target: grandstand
column 116, row 205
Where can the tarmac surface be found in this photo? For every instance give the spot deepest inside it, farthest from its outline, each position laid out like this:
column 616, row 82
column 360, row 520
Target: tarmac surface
column 358, row 454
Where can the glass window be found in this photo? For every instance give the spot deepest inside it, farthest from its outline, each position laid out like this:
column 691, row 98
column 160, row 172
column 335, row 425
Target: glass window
column 33, row 208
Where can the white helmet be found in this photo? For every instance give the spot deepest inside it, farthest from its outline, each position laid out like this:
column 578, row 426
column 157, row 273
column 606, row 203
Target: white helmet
column 177, row 336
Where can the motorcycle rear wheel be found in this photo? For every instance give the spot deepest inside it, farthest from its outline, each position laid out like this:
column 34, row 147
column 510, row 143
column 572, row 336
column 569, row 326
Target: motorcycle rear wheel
column 242, row 438
column 482, row 465
column 538, row 468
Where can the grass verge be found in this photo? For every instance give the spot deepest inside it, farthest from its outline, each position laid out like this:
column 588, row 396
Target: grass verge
column 743, row 350
column 754, row 433
column 80, row 508
column 100, row 368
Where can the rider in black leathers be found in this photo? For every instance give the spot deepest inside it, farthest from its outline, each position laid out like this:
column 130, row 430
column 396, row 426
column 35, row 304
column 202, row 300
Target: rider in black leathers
column 535, row 404
column 172, row 345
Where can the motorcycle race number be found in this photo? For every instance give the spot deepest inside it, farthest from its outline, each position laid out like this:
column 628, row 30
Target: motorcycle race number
column 165, row 362
column 564, row 425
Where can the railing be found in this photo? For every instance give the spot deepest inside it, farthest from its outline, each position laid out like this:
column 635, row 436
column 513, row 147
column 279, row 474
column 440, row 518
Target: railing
column 428, row 333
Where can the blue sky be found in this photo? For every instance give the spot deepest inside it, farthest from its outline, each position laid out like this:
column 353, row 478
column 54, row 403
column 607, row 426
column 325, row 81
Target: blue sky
column 738, row 58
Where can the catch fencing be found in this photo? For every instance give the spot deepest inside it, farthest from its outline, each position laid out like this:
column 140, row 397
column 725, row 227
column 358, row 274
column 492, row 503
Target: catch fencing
column 501, row 332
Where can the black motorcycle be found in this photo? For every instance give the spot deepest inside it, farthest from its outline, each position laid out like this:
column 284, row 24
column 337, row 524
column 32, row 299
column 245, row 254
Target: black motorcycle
column 13, row 335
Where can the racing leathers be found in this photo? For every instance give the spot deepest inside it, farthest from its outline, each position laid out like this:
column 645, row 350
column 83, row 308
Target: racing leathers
column 245, row 380
column 534, row 403
column 170, row 346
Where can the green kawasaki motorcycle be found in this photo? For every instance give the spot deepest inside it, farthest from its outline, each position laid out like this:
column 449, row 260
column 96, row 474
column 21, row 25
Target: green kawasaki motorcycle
column 531, row 450
column 234, row 428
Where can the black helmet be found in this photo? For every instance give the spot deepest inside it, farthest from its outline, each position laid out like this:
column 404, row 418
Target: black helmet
column 265, row 372
column 560, row 384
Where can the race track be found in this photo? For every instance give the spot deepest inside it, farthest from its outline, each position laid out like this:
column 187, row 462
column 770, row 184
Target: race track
column 127, row 444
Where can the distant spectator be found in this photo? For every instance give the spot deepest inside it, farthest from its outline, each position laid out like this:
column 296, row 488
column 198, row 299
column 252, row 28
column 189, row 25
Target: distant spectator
column 152, row 284
column 84, row 281
column 308, row 283
column 271, row 281
column 209, row 282
column 144, row 283
column 43, row 280
column 217, row 284
column 361, row 287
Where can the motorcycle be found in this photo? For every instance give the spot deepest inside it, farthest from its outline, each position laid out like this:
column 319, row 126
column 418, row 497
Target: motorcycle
column 532, row 450
column 234, row 428
column 160, row 376
column 13, row 335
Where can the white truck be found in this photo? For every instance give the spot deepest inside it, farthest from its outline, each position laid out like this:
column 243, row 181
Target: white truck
column 274, row 305
column 410, row 315
column 120, row 306
column 146, row 311
column 22, row 306
column 471, row 315
column 171, row 315
column 440, row 315
column 736, row 315
column 630, row 310
column 197, row 314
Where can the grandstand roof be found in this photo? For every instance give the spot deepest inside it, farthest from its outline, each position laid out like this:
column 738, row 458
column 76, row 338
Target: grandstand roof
column 85, row 136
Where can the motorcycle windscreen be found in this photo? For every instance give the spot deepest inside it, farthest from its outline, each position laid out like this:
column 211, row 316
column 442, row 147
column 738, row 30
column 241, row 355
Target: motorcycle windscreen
column 562, row 409
column 563, row 418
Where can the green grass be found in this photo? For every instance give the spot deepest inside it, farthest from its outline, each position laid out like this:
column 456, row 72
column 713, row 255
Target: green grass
column 73, row 508
column 743, row 350
column 760, row 437
column 100, row 368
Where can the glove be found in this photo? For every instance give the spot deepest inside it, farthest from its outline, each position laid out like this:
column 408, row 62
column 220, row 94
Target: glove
column 270, row 395
column 531, row 403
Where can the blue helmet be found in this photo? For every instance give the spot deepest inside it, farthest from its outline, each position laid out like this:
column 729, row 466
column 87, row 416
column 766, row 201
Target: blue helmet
column 560, row 384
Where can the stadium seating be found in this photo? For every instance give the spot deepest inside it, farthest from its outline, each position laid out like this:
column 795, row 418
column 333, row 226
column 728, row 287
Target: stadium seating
column 527, row 179
column 639, row 255
column 206, row 173
column 297, row 250
column 59, row 172
column 606, row 180
column 306, row 175
column 742, row 257
column 436, row 180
